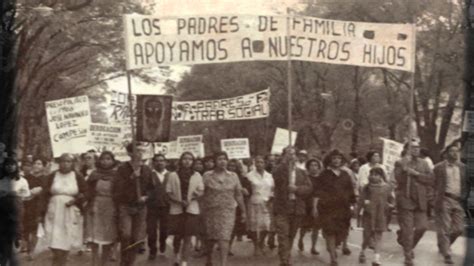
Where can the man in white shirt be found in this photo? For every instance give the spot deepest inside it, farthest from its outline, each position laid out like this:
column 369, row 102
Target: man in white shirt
column 158, row 207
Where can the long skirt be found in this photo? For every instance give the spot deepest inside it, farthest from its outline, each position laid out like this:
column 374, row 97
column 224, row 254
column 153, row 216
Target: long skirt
column 63, row 225
column 101, row 221
column 259, row 217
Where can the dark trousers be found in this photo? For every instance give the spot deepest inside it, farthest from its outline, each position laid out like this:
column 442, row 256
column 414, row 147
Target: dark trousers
column 155, row 216
column 132, row 233
column 286, row 227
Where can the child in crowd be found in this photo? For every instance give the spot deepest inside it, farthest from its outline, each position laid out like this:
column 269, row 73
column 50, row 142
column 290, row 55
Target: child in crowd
column 374, row 200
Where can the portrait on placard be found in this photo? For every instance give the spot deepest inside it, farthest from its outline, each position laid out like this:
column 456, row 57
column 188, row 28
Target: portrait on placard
column 153, row 118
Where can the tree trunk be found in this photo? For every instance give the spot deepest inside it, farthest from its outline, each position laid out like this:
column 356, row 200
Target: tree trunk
column 7, row 76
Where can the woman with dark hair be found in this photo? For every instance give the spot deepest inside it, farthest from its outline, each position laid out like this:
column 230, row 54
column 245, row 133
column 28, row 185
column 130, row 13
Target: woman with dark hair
column 198, row 166
column 32, row 206
column 89, row 160
column 309, row 223
column 13, row 189
column 184, row 187
column 223, row 192
column 373, row 160
column 65, row 193
column 209, row 163
column 333, row 197
column 240, row 227
column 101, row 213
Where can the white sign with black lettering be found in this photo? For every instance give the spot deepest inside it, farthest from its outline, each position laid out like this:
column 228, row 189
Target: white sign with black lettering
column 68, row 122
column 191, row 144
column 154, row 41
column 104, row 137
column 250, row 106
column 391, row 153
column 236, row 148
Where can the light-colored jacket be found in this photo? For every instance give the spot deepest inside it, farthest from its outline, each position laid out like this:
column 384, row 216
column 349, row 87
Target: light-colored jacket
column 173, row 188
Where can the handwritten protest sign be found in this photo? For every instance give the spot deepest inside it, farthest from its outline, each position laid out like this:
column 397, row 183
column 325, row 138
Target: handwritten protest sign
column 236, row 148
column 104, row 137
column 68, row 123
column 191, row 144
column 250, row 106
column 153, row 41
column 391, row 153
column 281, row 140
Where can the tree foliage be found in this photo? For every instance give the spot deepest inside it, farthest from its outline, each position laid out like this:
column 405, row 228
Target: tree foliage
column 376, row 100
column 64, row 49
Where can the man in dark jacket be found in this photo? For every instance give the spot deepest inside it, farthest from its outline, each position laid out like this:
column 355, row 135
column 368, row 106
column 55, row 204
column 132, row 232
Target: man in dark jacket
column 158, row 206
column 292, row 185
column 451, row 190
column 132, row 188
column 414, row 177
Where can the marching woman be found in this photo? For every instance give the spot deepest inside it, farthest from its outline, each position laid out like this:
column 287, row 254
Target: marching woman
column 184, row 187
column 32, row 205
column 198, row 166
column 240, row 227
column 101, row 213
column 223, row 192
column 13, row 189
column 333, row 197
column 65, row 192
column 259, row 204
column 310, row 223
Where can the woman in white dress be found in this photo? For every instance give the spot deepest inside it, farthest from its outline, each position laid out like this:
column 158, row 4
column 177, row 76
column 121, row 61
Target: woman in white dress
column 63, row 222
column 259, row 210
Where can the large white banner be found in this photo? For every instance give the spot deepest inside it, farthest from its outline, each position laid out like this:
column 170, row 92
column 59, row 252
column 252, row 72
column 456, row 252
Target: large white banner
column 68, row 122
column 156, row 41
column 250, row 106
column 236, row 148
column 282, row 140
column 391, row 153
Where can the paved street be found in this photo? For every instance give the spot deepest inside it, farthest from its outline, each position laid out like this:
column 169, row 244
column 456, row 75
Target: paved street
column 426, row 253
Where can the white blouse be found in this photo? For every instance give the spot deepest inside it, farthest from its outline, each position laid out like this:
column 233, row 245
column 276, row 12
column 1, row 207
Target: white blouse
column 262, row 186
column 18, row 187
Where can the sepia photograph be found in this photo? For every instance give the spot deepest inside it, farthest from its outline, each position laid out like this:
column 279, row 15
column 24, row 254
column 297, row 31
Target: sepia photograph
column 236, row 133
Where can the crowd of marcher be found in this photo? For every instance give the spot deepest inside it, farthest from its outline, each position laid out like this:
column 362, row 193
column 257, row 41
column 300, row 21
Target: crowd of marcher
column 113, row 208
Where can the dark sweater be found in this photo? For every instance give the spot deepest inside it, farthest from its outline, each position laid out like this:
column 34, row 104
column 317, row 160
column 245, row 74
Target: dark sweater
column 125, row 186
